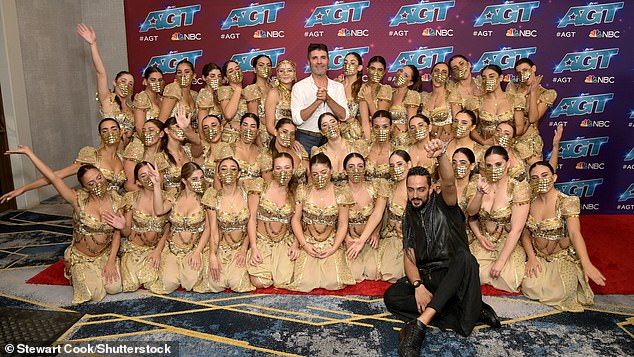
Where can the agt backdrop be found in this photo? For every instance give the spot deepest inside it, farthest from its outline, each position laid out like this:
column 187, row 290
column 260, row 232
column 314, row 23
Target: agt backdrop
column 580, row 48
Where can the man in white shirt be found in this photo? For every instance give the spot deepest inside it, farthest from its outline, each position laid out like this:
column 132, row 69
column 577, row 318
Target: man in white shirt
column 315, row 95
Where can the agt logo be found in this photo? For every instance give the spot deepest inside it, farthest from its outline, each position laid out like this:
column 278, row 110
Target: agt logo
column 590, row 165
column 628, row 194
column 630, row 155
column 252, row 15
column 580, row 147
column 422, row 13
column 513, row 32
column 268, row 34
column 169, row 18
column 177, row 36
column 506, row 13
column 582, row 105
column 604, row 34
column 421, row 58
column 344, row 32
column 590, row 14
column 167, row 63
column 594, row 79
column 338, row 54
column 244, row 59
column 580, row 188
column 587, row 123
column 338, row 13
column 586, row 60
column 430, row 32
column 505, row 58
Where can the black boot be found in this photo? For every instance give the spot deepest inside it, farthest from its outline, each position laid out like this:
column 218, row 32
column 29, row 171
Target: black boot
column 489, row 317
column 411, row 338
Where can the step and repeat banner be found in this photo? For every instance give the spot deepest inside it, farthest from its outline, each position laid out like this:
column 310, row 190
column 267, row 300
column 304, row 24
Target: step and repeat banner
column 579, row 47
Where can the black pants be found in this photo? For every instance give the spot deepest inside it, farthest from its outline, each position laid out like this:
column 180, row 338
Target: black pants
column 457, row 298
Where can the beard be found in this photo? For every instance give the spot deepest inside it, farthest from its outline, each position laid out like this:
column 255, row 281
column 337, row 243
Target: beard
column 417, row 204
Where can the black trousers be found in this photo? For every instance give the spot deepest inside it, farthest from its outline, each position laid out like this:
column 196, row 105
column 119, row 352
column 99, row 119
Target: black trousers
column 457, row 297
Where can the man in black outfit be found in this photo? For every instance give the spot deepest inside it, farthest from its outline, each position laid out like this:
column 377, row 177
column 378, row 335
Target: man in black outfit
column 442, row 285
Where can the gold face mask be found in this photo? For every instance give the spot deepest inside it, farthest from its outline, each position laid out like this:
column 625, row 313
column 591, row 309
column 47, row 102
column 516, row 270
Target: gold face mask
column 147, row 182
column 397, row 172
column 331, row 131
column 542, row 184
column 375, row 75
column 197, row 186
column 184, row 80
column 111, row 137
column 148, row 137
column 523, row 76
column 157, row 87
column 247, row 135
column 350, row 69
column 235, row 77
column 321, row 181
column 494, row 174
column 210, row 133
column 459, row 131
column 400, row 80
column 282, row 177
column 228, row 177
column 286, row 139
column 179, row 133
column 99, row 188
column 418, row 134
column 381, row 135
column 356, row 175
column 490, row 84
column 213, row 83
column 461, row 171
column 460, row 72
column 503, row 140
column 125, row 89
column 440, row 77
column 264, row 72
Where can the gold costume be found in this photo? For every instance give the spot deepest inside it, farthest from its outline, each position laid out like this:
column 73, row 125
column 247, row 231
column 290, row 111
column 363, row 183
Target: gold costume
column 135, row 151
column 400, row 117
column 172, row 173
column 232, row 276
column 489, row 121
column 143, row 102
column 229, row 134
column 301, row 171
column 518, row 193
column 125, row 119
column 341, row 178
column 174, row 91
column 254, row 92
column 330, row 273
column 86, row 272
column 211, row 158
column 206, row 100
column 560, row 282
column 91, row 155
column 390, row 254
column 276, row 268
column 351, row 128
column 364, row 266
column 136, row 270
column 439, row 116
column 455, row 97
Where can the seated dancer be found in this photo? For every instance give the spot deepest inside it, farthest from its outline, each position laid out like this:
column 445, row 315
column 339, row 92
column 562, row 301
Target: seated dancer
column 441, row 286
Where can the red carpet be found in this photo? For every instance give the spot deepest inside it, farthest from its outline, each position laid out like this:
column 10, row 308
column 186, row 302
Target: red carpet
column 610, row 249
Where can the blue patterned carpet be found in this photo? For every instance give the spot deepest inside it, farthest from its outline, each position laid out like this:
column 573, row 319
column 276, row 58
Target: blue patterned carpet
column 230, row 324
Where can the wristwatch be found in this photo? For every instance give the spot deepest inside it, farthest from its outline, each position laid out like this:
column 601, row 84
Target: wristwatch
column 417, row 283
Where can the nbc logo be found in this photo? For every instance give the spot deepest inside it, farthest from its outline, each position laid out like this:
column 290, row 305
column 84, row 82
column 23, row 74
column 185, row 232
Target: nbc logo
column 604, row 34
column 513, row 32
column 508, row 78
column 344, row 32
column 177, row 36
column 591, row 78
column 590, row 165
column 587, row 123
column 268, row 34
column 430, row 32
column 425, row 77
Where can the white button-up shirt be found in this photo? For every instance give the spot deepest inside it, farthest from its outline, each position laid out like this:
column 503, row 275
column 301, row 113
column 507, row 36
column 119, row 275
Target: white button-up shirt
column 305, row 93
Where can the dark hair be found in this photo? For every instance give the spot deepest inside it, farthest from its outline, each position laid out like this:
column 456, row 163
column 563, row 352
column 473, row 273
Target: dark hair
column 466, row 152
column 225, row 159
column 356, row 86
column 316, row 46
column 159, row 124
column 116, row 97
column 528, row 61
column 542, row 163
column 497, row 150
column 403, row 154
column 278, row 125
column 151, row 69
column 165, row 139
column 254, row 62
column 471, row 114
column 382, row 114
column 437, row 63
column 457, row 56
column 212, row 116
column 187, row 170
column 210, row 67
column 379, row 59
column 419, row 171
column 319, row 158
column 252, row 116
column 292, row 184
column 225, row 65
column 319, row 120
column 108, row 119
column 350, row 156
column 509, row 124
column 185, row 61
column 83, row 169
column 493, row 67
column 422, row 116
column 139, row 166
column 417, row 84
